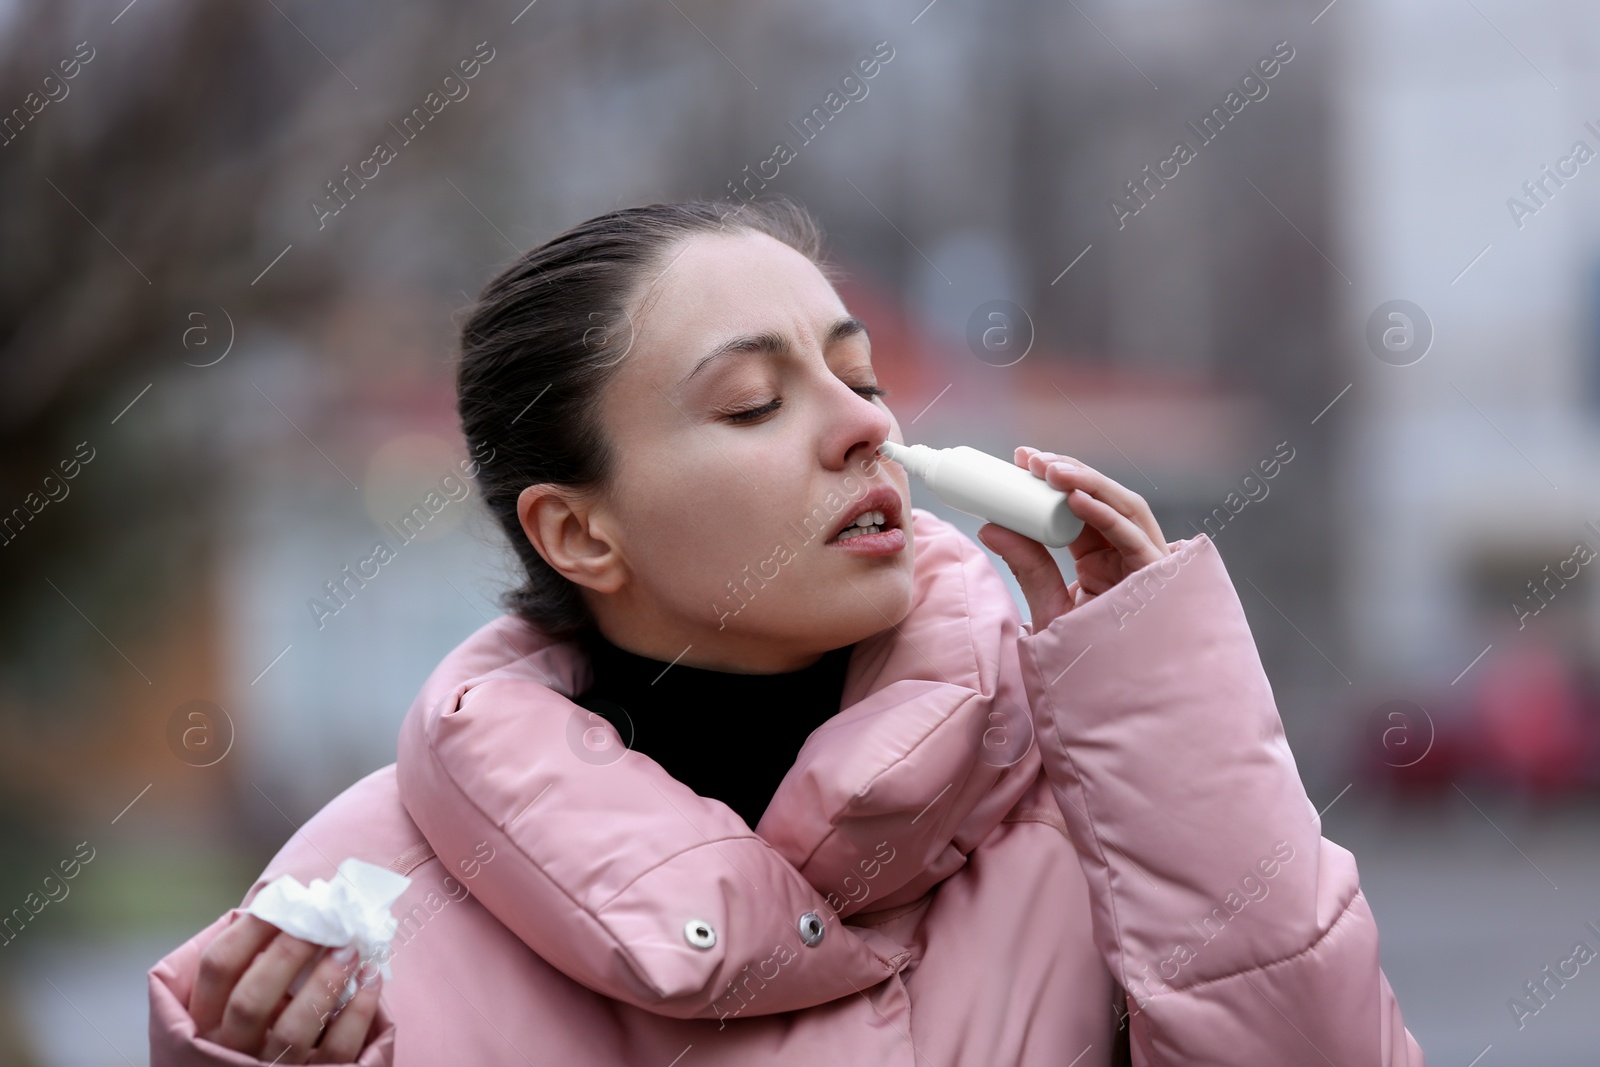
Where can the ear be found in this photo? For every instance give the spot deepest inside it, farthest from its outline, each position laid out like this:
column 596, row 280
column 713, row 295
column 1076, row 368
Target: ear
column 571, row 535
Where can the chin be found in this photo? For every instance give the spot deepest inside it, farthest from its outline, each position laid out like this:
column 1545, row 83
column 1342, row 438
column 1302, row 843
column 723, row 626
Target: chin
column 890, row 592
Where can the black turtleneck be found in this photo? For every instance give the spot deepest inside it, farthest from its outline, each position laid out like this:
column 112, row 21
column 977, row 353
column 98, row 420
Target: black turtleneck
column 728, row 736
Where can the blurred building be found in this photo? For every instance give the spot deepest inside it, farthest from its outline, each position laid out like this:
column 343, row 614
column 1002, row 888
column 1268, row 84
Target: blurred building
column 1469, row 480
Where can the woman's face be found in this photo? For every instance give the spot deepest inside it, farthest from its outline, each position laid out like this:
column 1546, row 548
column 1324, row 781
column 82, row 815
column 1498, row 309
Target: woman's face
column 734, row 471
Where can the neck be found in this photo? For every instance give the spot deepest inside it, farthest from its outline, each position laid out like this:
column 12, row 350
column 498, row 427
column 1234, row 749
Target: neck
column 729, row 651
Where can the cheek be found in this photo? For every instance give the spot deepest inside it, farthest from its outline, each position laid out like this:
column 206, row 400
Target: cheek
column 710, row 516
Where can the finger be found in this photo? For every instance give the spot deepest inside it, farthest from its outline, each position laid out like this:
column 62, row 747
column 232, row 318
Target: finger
column 293, row 1035
column 1120, row 532
column 255, row 1000
column 1088, row 538
column 221, row 965
column 1093, row 481
column 348, row 1031
column 1101, row 486
column 1037, row 571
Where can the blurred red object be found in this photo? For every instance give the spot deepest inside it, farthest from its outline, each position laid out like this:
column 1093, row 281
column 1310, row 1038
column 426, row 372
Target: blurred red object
column 1529, row 710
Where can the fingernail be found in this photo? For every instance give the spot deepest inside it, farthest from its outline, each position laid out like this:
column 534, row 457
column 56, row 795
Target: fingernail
column 1062, row 465
column 346, row 954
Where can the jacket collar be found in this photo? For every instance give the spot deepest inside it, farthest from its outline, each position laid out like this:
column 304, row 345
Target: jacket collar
column 932, row 746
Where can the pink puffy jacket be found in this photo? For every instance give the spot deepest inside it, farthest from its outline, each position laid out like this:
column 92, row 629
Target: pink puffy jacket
column 999, row 832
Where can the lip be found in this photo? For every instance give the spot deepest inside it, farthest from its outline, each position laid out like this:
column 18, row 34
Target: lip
column 882, row 498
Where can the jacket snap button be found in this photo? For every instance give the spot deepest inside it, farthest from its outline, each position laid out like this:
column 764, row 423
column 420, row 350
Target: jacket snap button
column 811, row 929
column 699, row 933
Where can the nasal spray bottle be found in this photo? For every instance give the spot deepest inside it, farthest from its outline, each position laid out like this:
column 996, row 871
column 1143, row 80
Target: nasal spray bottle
column 992, row 489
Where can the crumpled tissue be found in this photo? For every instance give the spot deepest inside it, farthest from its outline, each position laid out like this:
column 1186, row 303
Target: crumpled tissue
column 352, row 909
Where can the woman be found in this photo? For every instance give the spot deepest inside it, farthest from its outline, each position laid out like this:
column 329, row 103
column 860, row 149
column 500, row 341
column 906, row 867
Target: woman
column 762, row 766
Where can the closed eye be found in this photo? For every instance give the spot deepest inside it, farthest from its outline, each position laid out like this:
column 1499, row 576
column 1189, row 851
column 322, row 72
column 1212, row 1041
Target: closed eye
column 751, row 414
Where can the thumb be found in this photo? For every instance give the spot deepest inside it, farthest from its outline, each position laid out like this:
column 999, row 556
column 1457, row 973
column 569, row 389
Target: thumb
column 1035, row 569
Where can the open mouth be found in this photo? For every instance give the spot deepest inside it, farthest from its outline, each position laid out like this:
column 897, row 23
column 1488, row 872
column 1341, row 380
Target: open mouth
column 876, row 512
column 875, row 525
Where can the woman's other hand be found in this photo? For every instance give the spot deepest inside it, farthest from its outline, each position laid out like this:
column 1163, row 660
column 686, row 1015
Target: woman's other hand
column 241, row 997
column 1120, row 535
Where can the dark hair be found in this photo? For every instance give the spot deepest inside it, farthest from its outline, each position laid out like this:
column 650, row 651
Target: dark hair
column 542, row 341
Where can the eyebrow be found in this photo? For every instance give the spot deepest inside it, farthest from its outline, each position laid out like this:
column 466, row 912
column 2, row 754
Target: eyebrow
column 777, row 344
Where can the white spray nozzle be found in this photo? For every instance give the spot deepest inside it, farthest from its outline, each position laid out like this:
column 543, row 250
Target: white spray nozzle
column 992, row 489
column 917, row 459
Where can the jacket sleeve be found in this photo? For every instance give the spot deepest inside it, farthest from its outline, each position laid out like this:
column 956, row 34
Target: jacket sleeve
column 173, row 1040
column 1239, row 933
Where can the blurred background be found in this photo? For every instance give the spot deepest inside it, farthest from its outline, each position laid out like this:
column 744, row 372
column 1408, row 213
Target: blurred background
column 226, row 332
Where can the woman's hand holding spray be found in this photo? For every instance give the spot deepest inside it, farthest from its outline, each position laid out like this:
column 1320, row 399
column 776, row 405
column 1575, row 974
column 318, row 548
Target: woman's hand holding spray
column 1120, row 535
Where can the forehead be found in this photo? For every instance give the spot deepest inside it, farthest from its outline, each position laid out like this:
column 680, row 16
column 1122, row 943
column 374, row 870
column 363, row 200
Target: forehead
column 713, row 285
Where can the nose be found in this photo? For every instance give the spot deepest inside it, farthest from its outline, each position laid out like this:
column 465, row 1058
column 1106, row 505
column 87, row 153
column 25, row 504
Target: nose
column 858, row 428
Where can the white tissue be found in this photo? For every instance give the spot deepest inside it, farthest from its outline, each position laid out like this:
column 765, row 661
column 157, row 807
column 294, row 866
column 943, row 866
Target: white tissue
column 352, row 909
